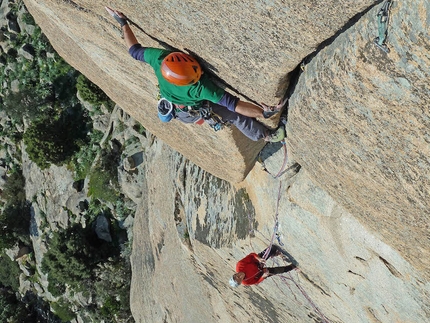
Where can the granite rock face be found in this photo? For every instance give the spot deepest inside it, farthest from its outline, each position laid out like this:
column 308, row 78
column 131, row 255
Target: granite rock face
column 191, row 228
column 251, row 47
column 359, row 123
column 353, row 205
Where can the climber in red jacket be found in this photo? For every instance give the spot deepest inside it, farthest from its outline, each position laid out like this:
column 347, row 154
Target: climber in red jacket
column 251, row 270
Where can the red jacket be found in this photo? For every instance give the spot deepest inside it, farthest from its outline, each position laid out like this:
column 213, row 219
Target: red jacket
column 251, row 267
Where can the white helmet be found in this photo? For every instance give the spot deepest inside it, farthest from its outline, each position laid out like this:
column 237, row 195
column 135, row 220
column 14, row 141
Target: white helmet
column 232, row 282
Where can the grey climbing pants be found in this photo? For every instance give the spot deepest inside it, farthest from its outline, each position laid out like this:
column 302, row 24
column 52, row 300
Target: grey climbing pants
column 250, row 127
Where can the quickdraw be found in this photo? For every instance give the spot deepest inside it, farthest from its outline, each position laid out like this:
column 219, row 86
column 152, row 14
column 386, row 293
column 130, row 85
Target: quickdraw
column 212, row 119
column 383, row 19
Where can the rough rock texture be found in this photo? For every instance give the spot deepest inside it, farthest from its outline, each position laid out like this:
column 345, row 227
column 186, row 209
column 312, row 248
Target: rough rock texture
column 359, row 123
column 354, row 217
column 182, row 275
column 253, row 48
column 51, row 190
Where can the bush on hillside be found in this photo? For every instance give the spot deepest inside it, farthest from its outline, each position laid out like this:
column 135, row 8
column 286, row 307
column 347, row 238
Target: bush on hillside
column 15, row 222
column 45, row 82
column 103, row 183
column 14, row 189
column 11, row 309
column 55, row 139
column 25, row 103
column 83, row 160
column 9, row 273
column 15, row 217
column 72, row 256
column 29, row 308
column 62, row 310
column 92, row 93
column 68, row 260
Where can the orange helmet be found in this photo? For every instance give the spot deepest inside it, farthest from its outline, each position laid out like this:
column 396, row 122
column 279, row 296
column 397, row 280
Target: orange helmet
column 180, row 69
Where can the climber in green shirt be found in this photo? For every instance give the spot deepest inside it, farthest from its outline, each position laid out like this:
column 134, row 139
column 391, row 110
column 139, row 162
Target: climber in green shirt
column 183, row 83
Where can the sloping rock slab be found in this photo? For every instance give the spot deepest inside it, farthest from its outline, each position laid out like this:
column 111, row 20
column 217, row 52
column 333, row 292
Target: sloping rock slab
column 253, row 48
column 359, row 124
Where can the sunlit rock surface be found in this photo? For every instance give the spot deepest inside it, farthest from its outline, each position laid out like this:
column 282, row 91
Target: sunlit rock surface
column 354, row 216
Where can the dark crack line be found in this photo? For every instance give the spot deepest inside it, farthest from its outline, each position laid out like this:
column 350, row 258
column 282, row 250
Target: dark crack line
column 345, row 27
column 210, row 69
column 75, row 5
column 294, row 75
column 315, row 285
column 351, row 272
column 391, row 268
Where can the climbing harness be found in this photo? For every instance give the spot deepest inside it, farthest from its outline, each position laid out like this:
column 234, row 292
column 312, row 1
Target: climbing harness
column 189, row 114
column 383, row 19
column 211, row 118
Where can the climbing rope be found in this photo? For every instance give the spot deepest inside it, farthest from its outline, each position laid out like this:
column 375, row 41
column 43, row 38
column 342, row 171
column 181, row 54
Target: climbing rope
column 301, row 289
column 284, row 145
column 383, row 19
column 283, row 142
column 283, row 278
column 275, row 229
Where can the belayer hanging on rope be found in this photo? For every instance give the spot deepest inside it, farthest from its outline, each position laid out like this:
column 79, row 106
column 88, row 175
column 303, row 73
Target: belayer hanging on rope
column 190, row 96
column 252, row 269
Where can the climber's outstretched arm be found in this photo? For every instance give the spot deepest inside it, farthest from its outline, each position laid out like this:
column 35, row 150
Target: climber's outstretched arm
column 129, row 37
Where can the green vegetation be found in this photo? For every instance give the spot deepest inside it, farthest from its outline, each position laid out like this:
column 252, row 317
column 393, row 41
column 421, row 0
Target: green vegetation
column 24, row 103
column 121, row 211
column 34, row 309
column 58, row 130
column 11, row 309
column 15, row 221
column 13, row 191
column 92, row 93
column 72, row 257
column 62, row 310
column 139, row 129
column 79, row 259
column 101, row 186
column 45, row 81
column 56, row 138
column 104, row 177
column 15, row 216
column 113, row 291
column 9, row 273
column 82, row 160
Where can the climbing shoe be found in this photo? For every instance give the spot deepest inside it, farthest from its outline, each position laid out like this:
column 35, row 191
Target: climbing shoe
column 269, row 111
column 277, row 135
